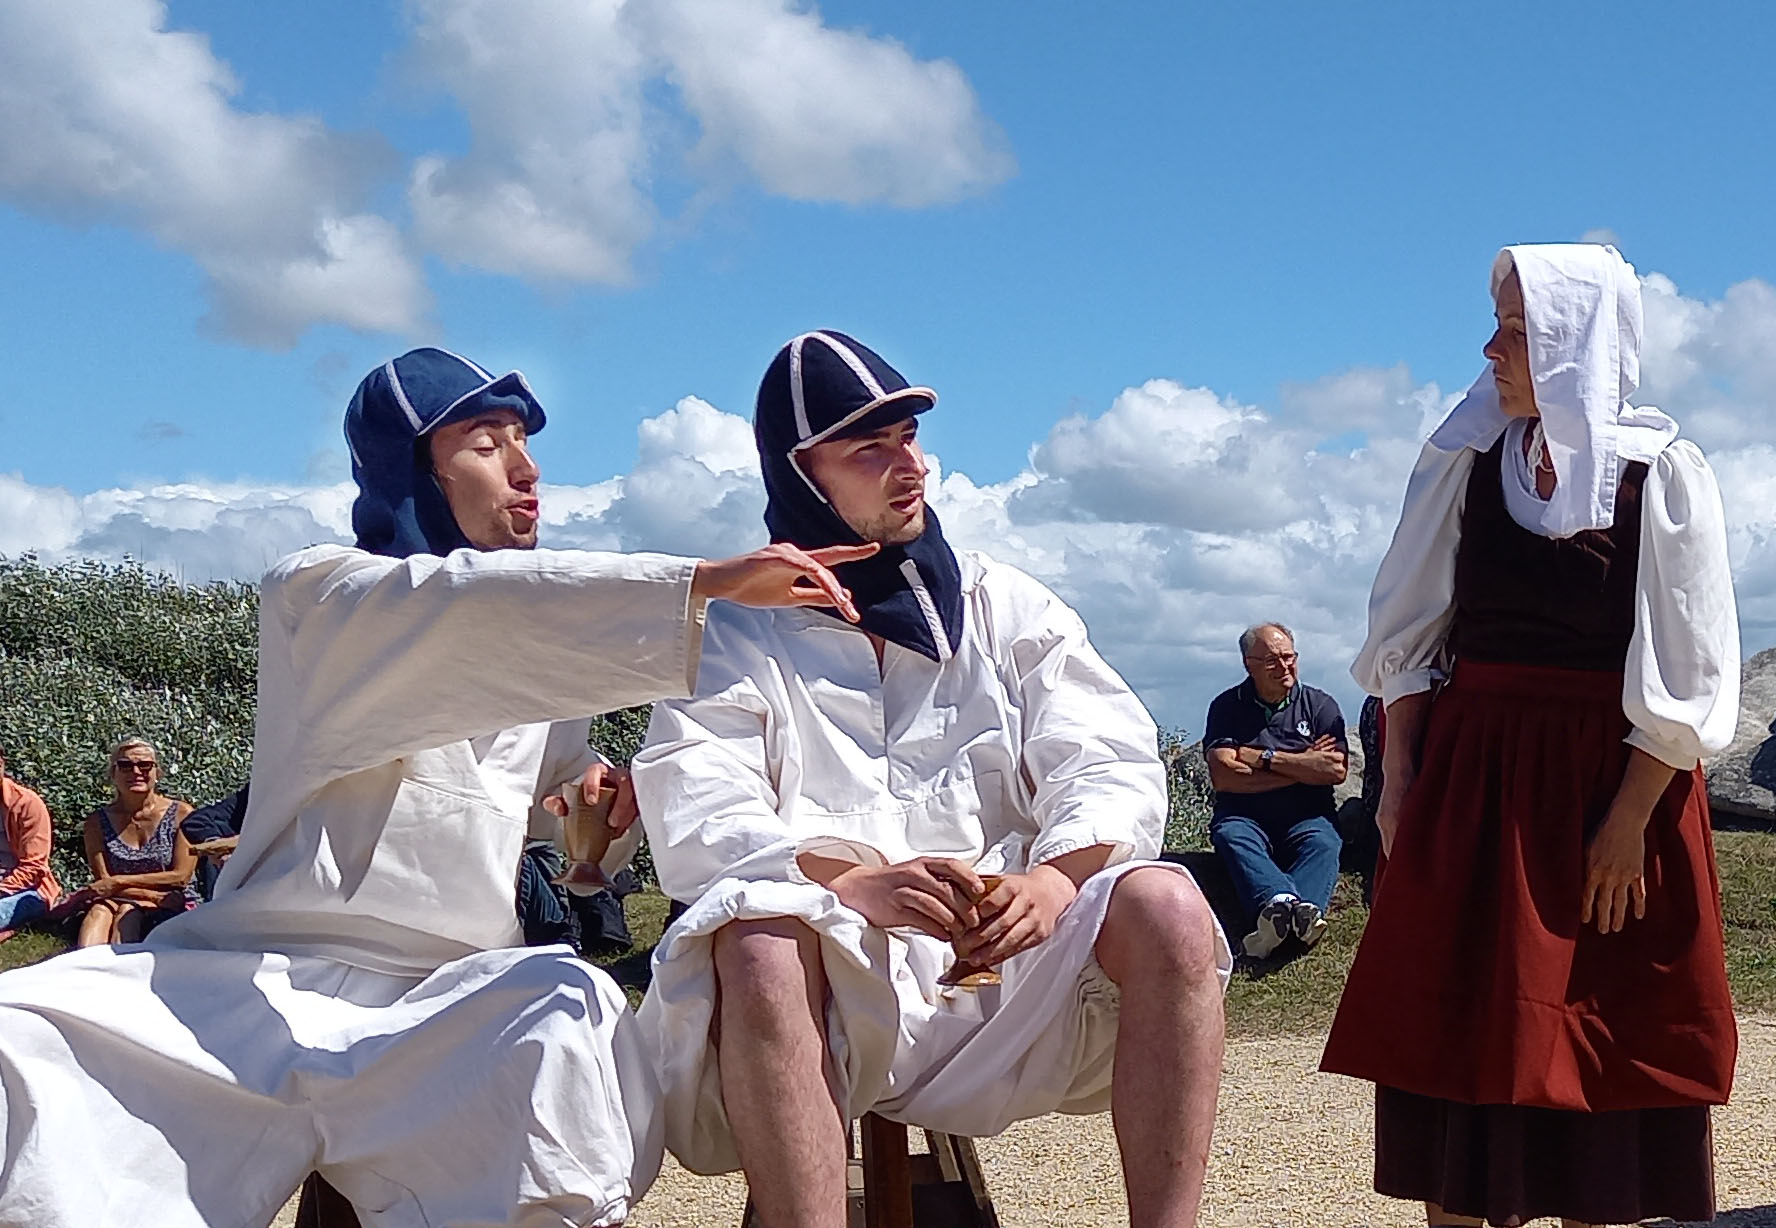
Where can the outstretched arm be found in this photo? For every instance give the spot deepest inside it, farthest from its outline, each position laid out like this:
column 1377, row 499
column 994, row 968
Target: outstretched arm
column 390, row 656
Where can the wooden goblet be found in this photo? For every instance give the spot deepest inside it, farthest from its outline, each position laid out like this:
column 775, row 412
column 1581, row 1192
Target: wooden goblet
column 586, row 835
column 965, row 975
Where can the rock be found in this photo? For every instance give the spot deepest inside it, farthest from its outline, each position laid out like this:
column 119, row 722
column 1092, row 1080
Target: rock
column 1353, row 776
column 1742, row 778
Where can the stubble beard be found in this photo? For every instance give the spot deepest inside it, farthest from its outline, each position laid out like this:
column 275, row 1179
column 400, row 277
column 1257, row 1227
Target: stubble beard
column 890, row 530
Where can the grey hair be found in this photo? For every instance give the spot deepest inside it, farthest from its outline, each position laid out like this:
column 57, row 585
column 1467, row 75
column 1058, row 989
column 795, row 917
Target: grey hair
column 117, row 748
column 1249, row 636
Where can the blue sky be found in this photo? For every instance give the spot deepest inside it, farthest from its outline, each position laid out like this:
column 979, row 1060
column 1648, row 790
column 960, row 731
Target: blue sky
column 1252, row 199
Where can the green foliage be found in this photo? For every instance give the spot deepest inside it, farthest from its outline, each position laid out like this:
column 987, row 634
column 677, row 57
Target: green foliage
column 1191, row 798
column 91, row 653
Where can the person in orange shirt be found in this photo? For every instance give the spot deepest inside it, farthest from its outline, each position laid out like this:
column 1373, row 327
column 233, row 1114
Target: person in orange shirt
column 27, row 887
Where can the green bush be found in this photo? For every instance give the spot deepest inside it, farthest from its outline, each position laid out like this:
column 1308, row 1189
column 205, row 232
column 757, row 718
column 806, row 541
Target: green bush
column 1191, row 798
column 91, row 653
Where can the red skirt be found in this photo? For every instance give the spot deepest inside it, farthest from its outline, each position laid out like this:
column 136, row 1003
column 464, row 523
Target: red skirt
column 1475, row 981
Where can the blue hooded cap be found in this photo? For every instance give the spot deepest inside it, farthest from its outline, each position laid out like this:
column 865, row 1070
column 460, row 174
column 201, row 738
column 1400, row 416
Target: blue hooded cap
column 825, row 385
column 401, row 509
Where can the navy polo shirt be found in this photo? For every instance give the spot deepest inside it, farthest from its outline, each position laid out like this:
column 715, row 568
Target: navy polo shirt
column 1239, row 718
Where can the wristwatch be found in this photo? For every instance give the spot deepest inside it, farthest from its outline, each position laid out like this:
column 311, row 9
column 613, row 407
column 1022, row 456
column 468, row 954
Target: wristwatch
column 1264, row 759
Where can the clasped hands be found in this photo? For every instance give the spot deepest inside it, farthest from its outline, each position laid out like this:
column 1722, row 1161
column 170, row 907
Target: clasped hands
column 945, row 898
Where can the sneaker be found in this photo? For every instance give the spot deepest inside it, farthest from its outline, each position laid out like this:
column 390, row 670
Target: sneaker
column 1276, row 922
column 1310, row 923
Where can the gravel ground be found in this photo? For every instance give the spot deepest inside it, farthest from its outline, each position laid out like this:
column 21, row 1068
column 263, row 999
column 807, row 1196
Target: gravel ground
column 1291, row 1148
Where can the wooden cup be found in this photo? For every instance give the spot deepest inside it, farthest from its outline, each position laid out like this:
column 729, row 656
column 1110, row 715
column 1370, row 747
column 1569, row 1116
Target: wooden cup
column 587, row 836
column 961, row 973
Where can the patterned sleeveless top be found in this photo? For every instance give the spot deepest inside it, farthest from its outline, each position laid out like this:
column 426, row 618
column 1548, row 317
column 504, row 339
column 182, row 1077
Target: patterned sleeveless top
column 153, row 857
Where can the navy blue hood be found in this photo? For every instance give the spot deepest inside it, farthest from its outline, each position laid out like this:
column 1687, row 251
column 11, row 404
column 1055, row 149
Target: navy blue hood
column 824, row 385
column 401, row 509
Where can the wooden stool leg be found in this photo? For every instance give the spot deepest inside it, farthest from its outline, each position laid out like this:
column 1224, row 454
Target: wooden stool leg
column 887, row 1174
column 322, row 1206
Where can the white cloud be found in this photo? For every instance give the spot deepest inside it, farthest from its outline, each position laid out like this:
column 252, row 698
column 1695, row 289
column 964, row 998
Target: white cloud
column 820, row 114
column 554, row 183
column 582, row 118
column 573, row 142
column 114, row 118
column 1171, row 520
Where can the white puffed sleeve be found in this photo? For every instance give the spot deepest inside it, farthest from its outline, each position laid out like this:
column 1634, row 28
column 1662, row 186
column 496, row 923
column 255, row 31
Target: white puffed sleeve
column 1681, row 689
column 1413, row 600
column 1088, row 748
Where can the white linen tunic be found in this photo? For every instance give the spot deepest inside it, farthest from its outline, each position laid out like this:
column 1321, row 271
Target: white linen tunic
column 1680, row 689
column 1021, row 747
column 355, row 1000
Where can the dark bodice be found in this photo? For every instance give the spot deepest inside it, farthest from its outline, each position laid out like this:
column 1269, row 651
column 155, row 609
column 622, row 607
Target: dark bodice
column 1525, row 599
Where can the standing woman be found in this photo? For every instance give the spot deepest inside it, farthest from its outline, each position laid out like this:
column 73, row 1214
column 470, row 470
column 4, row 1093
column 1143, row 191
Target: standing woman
column 141, row 863
column 1541, row 994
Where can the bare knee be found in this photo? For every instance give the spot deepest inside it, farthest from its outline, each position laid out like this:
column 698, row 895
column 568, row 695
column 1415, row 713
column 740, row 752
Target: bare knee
column 769, row 968
column 1158, row 921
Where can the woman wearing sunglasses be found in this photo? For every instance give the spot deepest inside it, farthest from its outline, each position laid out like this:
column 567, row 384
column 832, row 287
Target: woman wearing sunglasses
column 141, row 863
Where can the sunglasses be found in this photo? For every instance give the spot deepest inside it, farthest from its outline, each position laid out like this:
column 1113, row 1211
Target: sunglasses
column 133, row 766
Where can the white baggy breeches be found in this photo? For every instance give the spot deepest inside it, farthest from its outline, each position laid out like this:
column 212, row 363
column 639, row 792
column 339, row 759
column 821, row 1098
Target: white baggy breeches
column 196, row 1089
column 959, row 1061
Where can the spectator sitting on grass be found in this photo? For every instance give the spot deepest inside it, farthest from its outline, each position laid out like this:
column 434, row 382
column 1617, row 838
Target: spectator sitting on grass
column 1276, row 748
column 213, row 831
column 27, row 888
column 141, row 862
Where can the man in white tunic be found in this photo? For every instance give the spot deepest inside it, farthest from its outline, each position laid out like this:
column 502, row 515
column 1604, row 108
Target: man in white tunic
column 356, row 1001
column 827, row 805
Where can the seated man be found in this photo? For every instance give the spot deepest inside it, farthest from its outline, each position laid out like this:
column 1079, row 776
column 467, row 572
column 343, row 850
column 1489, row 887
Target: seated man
column 841, row 806
column 355, row 1000
column 1276, row 747
column 28, row 889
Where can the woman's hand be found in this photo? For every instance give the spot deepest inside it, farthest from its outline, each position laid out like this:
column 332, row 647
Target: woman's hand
column 104, row 887
column 1391, row 808
column 1615, row 857
column 1615, row 871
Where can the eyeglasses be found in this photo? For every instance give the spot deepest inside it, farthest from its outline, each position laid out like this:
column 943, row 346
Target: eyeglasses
column 1282, row 660
column 135, row 767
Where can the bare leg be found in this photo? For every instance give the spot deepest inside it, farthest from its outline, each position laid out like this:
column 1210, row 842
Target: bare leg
column 1158, row 945
column 129, row 925
column 98, row 926
column 772, row 1019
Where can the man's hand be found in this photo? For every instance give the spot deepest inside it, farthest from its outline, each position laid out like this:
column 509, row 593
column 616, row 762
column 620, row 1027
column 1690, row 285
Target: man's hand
column 624, row 810
column 934, row 895
column 781, row 575
column 1018, row 914
column 1615, row 868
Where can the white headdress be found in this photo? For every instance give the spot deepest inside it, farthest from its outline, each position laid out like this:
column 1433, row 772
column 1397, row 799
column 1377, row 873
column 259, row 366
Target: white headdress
column 1581, row 308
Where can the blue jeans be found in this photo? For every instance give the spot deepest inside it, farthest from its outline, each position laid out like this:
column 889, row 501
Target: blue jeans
column 21, row 909
column 1267, row 859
